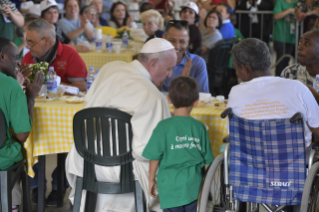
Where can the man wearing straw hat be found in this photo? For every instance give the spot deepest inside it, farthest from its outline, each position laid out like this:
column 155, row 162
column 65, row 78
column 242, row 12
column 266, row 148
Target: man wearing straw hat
column 132, row 88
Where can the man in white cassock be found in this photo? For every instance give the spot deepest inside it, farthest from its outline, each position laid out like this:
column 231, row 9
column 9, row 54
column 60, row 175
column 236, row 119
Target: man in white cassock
column 132, row 88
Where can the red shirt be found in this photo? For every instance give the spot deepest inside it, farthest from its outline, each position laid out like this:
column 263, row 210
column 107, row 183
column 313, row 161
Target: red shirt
column 67, row 63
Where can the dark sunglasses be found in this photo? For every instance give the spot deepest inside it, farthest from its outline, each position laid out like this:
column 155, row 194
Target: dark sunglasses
column 175, row 22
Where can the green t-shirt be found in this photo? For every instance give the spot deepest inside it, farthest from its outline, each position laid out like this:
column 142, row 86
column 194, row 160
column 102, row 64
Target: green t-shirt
column 13, row 103
column 182, row 145
column 280, row 6
column 6, row 29
column 18, row 42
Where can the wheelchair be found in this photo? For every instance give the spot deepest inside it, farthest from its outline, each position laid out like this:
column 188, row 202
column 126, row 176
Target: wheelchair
column 234, row 180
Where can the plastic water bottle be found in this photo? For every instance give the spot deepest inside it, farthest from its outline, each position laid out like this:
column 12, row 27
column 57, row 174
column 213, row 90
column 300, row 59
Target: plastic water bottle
column 125, row 39
column 109, row 45
column 90, row 78
column 316, row 83
column 52, row 86
column 93, row 39
column 98, row 41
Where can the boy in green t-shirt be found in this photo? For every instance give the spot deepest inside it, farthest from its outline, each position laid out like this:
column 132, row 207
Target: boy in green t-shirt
column 180, row 147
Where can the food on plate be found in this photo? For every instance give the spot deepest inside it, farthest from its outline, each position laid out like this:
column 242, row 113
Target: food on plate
column 74, row 99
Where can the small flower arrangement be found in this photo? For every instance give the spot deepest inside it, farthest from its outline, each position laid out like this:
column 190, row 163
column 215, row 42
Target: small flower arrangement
column 42, row 66
column 121, row 31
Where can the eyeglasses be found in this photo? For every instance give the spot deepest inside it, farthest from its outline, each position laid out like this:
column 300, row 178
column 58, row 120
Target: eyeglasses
column 92, row 13
column 176, row 22
column 32, row 45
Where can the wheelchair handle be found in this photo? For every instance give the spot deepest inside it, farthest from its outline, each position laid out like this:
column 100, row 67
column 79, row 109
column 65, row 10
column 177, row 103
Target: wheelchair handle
column 297, row 118
column 228, row 112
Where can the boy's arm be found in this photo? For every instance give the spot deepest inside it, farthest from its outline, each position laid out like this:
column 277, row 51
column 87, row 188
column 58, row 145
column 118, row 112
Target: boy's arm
column 152, row 181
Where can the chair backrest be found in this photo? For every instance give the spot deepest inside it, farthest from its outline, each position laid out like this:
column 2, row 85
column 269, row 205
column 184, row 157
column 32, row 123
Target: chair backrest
column 267, row 160
column 3, row 128
column 107, row 30
column 103, row 136
column 218, row 57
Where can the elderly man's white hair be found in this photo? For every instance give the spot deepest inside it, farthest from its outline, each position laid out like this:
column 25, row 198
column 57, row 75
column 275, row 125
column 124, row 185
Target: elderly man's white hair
column 43, row 28
column 148, row 57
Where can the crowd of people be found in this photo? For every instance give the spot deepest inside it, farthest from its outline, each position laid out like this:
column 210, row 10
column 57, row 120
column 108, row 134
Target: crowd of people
column 173, row 59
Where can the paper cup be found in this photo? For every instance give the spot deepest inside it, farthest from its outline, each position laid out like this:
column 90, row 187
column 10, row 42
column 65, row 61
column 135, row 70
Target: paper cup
column 117, row 48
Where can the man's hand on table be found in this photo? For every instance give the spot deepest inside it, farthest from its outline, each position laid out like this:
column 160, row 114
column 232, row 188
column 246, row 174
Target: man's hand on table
column 32, row 89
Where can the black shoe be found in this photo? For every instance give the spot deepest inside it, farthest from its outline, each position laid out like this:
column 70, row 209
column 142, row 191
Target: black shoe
column 52, row 199
column 34, row 197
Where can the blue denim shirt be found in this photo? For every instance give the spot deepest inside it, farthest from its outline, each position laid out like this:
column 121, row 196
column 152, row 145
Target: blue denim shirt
column 198, row 71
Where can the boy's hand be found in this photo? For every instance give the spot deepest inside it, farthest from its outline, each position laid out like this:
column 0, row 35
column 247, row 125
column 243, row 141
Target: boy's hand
column 153, row 189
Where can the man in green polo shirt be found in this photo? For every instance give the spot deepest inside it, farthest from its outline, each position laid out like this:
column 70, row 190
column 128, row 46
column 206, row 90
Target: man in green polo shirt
column 17, row 107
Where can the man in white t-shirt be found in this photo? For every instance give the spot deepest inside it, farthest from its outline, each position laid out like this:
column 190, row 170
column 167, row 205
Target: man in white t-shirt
column 262, row 96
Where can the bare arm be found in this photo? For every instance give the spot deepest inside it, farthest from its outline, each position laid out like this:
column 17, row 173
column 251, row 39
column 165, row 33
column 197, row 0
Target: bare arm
column 315, row 132
column 284, row 13
column 79, row 84
column 16, row 17
column 313, row 12
column 232, row 3
column 152, row 181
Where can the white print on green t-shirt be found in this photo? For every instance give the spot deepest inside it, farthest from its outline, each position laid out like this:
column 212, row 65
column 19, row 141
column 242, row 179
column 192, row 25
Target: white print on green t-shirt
column 184, row 138
column 186, row 145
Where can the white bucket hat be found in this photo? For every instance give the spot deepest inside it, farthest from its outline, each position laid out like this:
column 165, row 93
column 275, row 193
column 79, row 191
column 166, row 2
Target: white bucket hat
column 191, row 5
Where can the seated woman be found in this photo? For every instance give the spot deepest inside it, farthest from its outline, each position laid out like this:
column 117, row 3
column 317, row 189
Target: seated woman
column 91, row 14
column 189, row 13
column 211, row 34
column 119, row 16
column 50, row 13
column 152, row 24
column 74, row 26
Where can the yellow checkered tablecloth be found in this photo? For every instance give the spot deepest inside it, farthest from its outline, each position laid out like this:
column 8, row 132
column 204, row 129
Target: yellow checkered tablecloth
column 217, row 127
column 99, row 59
column 52, row 128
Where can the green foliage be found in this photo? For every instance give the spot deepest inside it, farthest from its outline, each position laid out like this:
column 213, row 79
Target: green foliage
column 42, row 66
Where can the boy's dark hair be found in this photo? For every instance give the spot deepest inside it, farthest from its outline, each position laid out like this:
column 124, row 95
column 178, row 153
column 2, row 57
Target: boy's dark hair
column 228, row 8
column 183, row 92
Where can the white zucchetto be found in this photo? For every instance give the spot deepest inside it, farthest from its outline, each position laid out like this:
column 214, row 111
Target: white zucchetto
column 156, row 45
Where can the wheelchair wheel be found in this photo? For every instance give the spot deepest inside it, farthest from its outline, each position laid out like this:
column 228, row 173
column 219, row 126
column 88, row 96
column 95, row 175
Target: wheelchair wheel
column 310, row 195
column 213, row 197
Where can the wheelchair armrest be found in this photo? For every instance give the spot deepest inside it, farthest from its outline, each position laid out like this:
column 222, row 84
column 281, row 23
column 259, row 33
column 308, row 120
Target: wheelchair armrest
column 226, row 139
column 297, row 118
column 315, row 146
column 228, row 112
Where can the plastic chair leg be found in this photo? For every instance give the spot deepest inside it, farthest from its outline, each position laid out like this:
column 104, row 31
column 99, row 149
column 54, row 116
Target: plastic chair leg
column 140, row 205
column 6, row 197
column 78, row 194
column 91, row 199
column 26, row 192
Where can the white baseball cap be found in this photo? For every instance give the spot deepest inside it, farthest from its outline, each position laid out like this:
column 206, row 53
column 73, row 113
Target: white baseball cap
column 191, row 5
column 156, row 45
column 35, row 10
column 46, row 4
